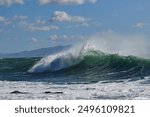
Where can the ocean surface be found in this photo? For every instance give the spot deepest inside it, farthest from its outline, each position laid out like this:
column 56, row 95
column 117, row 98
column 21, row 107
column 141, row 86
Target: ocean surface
column 83, row 73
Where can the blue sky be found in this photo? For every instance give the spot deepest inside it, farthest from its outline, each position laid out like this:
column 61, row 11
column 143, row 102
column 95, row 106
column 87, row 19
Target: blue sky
column 32, row 24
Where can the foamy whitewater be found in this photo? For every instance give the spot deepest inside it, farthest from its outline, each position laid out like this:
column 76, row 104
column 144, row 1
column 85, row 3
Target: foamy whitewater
column 101, row 90
column 88, row 71
column 62, row 60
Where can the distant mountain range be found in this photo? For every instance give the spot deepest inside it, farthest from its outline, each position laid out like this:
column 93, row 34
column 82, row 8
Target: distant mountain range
column 36, row 53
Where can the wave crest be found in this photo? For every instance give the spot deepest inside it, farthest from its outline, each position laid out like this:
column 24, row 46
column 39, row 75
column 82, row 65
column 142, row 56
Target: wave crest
column 61, row 60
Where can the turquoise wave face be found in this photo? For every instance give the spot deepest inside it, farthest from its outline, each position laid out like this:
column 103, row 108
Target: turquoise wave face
column 101, row 66
column 113, row 61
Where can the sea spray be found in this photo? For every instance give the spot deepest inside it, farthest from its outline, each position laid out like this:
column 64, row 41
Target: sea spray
column 61, row 60
column 122, row 44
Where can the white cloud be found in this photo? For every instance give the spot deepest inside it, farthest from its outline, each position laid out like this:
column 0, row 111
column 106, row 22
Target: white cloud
column 20, row 17
column 66, row 37
column 41, row 28
column 84, row 24
column 11, row 2
column 61, row 16
column 140, row 25
column 36, row 27
column 39, row 21
column 66, row 2
column 12, row 20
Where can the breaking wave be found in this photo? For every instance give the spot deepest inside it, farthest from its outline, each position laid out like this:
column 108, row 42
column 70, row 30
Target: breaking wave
column 88, row 61
column 79, row 65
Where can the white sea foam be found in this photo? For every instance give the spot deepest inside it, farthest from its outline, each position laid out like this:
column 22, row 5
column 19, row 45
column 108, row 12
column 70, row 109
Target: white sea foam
column 36, row 90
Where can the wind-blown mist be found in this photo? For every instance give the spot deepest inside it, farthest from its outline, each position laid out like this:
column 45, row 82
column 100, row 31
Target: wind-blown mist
column 110, row 42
